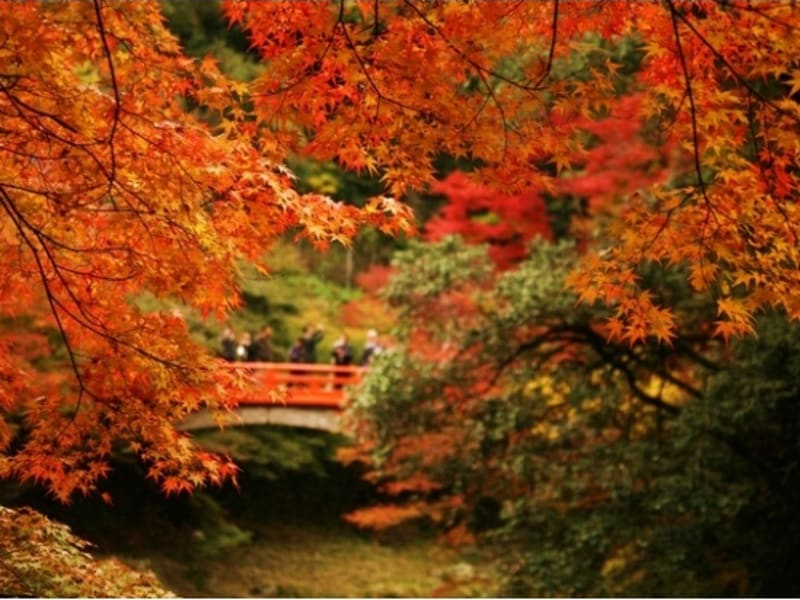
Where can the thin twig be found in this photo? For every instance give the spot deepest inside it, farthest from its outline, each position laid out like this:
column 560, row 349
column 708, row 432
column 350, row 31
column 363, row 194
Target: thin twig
column 114, row 86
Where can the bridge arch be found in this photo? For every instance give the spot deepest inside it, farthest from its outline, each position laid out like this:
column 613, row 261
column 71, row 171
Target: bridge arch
column 323, row 419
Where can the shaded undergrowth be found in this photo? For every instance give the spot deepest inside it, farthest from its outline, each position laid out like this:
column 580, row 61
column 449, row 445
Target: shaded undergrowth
column 279, row 535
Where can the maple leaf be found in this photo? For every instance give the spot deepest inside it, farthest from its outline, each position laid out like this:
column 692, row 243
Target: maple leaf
column 794, row 82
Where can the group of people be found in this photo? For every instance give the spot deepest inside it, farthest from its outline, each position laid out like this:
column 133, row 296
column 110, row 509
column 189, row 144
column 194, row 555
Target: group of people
column 342, row 352
column 304, row 349
column 258, row 347
column 249, row 347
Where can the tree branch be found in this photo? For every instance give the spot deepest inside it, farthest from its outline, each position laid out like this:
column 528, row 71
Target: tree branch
column 115, row 87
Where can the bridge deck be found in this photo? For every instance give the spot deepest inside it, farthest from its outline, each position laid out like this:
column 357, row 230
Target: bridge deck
column 297, row 395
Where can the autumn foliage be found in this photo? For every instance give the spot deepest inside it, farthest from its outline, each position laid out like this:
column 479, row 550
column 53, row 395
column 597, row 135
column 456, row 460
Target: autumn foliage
column 497, row 86
column 482, row 215
column 44, row 559
column 620, row 158
column 127, row 167
column 505, row 416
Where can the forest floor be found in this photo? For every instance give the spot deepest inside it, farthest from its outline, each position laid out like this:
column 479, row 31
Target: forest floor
column 276, row 536
column 295, row 559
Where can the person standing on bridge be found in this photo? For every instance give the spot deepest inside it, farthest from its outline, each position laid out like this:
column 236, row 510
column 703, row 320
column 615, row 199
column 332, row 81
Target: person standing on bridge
column 342, row 352
column 371, row 348
column 244, row 350
column 297, row 353
column 311, row 337
column 262, row 345
column 341, row 356
column 228, row 343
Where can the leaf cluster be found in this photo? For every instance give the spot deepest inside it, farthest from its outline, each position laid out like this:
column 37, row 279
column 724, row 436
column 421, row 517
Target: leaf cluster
column 41, row 558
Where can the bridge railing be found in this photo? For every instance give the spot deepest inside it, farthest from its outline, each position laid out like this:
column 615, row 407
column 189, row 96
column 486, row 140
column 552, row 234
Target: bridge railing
column 296, row 384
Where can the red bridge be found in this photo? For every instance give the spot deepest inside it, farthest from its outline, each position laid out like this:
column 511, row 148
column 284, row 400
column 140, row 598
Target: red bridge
column 293, row 394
